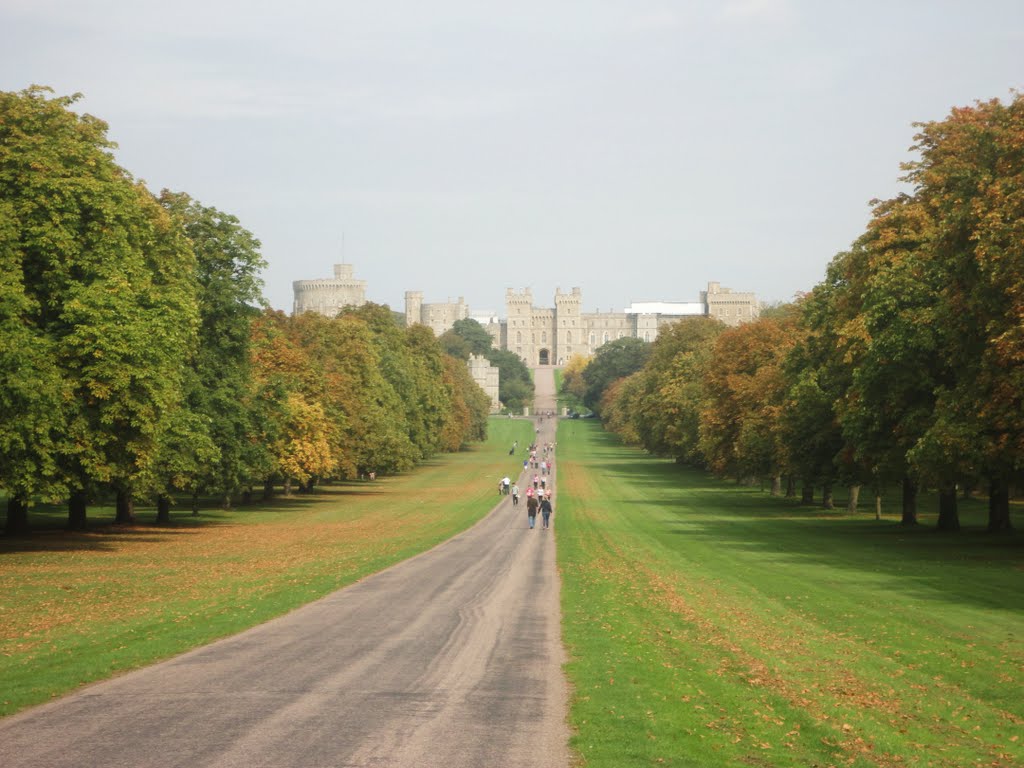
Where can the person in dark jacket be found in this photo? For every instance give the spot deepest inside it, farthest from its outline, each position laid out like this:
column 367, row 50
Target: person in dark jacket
column 546, row 510
column 531, row 506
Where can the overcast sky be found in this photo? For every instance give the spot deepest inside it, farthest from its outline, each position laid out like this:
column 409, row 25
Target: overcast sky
column 636, row 149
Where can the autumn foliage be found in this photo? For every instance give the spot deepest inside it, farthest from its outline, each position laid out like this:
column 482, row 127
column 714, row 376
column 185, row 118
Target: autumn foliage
column 903, row 366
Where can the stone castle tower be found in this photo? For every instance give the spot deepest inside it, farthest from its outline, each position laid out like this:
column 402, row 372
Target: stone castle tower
column 568, row 325
column 413, row 307
column 329, row 296
column 519, row 322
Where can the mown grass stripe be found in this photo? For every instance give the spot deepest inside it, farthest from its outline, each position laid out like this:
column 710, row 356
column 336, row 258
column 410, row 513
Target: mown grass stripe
column 710, row 624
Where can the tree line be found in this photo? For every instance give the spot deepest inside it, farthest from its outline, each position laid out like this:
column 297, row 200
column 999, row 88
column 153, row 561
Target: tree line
column 903, row 367
column 138, row 359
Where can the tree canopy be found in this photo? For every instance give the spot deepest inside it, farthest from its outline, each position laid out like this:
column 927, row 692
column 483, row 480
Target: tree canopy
column 136, row 361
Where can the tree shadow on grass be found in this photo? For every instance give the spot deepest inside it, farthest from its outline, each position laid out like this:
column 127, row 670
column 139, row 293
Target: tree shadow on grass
column 970, row 567
column 48, row 523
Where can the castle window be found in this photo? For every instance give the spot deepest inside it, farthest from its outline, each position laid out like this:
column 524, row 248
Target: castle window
column 647, row 335
column 519, row 337
column 544, row 337
column 591, row 339
column 568, row 337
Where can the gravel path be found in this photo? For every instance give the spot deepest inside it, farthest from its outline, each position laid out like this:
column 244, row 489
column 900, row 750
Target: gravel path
column 452, row 659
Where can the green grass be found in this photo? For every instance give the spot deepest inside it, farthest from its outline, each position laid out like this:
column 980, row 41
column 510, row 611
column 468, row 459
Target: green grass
column 713, row 625
column 80, row 607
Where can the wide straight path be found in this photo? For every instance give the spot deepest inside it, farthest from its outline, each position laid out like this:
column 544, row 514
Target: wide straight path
column 452, row 658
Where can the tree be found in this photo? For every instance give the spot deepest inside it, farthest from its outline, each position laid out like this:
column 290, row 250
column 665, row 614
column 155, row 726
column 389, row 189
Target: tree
column 818, row 377
column 480, row 342
column 667, row 413
column 892, row 340
column 108, row 283
column 218, row 391
column 619, row 406
column 572, row 377
column 744, row 387
column 32, row 411
column 970, row 181
column 614, row 360
column 470, row 406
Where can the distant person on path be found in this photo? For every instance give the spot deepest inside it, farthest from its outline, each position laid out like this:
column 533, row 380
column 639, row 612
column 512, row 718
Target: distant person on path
column 531, row 507
column 546, row 510
column 505, row 483
column 515, row 495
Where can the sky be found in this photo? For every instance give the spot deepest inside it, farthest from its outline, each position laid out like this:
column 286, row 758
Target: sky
column 636, row 149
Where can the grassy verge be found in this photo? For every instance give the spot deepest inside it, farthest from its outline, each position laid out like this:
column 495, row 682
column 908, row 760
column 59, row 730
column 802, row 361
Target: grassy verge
column 79, row 607
column 712, row 625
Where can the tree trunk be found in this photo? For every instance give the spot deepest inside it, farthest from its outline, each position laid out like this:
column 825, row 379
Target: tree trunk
column 998, row 506
column 949, row 520
column 287, row 486
column 163, row 510
column 76, row 511
column 195, row 503
column 807, row 493
column 827, row 502
column 268, row 489
column 225, row 502
column 852, row 499
column 17, row 516
column 776, row 485
column 909, row 502
column 125, row 507
column 790, row 487
column 878, row 506
column 247, row 496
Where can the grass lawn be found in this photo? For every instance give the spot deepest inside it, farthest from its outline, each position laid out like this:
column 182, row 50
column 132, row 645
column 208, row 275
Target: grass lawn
column 79, row 607
column 713, row 625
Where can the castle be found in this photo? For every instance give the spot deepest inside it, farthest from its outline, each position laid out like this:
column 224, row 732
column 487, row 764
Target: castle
column 538, row 335
column 551, row 335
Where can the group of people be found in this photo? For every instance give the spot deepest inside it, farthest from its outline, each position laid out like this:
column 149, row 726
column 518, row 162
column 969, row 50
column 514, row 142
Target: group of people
column 538, row 498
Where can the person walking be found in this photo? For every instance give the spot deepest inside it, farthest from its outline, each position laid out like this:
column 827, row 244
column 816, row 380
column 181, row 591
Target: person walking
column 545, row 511
column 531, row 507
column 515, row 495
